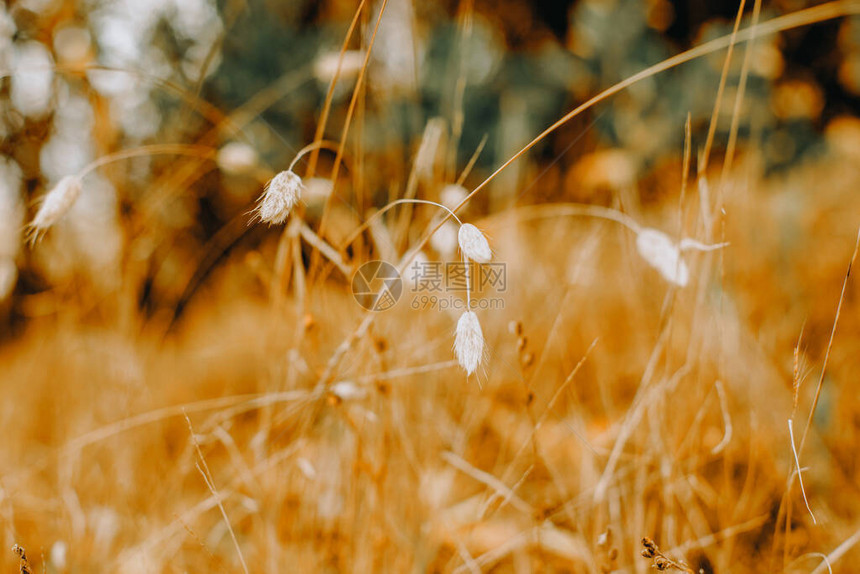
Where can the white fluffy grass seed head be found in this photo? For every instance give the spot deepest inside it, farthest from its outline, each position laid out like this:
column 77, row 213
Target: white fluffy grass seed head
column 55, row 205
column 469, row 342
column 664, row 255
column 473, row 244
column 661, row 253
column 282, row 193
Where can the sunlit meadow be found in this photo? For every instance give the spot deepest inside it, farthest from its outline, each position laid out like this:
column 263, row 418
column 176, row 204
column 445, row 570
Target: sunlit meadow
column 455, row 286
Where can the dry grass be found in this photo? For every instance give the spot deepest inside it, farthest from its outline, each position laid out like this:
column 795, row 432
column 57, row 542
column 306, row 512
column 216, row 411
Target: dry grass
column 275, row 426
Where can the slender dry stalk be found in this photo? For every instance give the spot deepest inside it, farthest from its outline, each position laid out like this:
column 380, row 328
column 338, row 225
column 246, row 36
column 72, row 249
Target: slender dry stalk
column 712, row 128
column 838, row 553
column 330, row 252
column 820, row 384
column 685, row 173
column 380, row 212
column 799, row 471
column 489, row 481
column 210, row 484
column 329, row 97
column 739, row 98
column 344, row 133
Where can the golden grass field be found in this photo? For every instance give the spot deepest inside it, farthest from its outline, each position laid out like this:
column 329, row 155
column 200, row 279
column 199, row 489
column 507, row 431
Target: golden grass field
column 221, row 403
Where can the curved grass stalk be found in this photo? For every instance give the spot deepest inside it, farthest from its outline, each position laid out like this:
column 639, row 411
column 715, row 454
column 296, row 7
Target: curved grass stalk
column 191, row 150
column 354, row 235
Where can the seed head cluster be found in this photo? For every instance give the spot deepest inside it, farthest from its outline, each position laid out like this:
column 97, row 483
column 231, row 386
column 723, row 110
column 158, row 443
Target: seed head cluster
column 473, row 244
column 469, row 339
column 469, row 342
column 282, row 193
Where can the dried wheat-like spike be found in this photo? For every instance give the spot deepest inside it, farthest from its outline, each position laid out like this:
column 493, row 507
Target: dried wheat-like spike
column 473, row 244
column 282, row 193
column 469, row 342
column 55, row 205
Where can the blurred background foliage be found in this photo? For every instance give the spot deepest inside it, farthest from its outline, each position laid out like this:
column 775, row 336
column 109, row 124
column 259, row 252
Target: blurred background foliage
column 84, row 314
